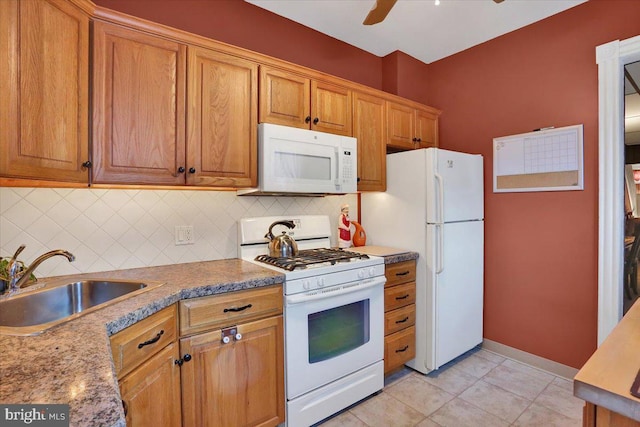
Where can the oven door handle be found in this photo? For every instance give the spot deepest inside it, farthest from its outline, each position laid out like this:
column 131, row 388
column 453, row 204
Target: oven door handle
column 325, row 293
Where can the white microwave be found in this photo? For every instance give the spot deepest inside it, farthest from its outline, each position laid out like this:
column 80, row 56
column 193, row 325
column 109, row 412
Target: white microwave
column 301, row 161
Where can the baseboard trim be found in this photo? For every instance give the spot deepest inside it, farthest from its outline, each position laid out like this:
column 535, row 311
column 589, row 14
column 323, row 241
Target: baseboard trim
column 555, row 368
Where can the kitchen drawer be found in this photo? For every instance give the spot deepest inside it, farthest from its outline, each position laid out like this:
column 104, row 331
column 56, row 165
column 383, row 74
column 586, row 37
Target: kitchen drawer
column 399, row 296
column 400, row 272
column 135, row 344
column 400, row 318
column 219, row 311
column 399, row 348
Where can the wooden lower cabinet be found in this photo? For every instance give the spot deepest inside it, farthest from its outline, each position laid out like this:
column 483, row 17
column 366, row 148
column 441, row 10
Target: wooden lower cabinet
column 400, row 315
column 598, row 416
column 151, row 392
column 240, row 383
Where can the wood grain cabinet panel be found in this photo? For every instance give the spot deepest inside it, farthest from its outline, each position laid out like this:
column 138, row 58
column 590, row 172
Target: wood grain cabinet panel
column 44, row 90
column 139, row 107
column 240, row 383
column 295, row 100
column 151, row 393
column 410, row 127
column 285, row 98
column 222, row 120
column 369, row 127
column 400, row 314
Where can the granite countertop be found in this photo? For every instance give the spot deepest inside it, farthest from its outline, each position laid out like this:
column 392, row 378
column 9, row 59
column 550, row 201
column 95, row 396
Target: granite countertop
column 606, row 379
column 71, row 363
column 390, row 255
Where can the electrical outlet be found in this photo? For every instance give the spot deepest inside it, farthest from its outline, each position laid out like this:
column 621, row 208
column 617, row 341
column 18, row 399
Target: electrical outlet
column 184, row 235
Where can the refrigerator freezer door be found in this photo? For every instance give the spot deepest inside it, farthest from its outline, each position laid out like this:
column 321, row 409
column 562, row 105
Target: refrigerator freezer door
column 454, row 186
column 456, row 291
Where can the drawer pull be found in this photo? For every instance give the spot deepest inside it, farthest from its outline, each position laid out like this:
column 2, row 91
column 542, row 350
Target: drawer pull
column 403, row 349
column 403, row 273
column 152, row 340
column 403, row 320
column 403, row 297
column 236, row 309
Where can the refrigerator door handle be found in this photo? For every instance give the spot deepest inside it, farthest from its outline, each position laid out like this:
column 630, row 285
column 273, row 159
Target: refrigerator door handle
column 440, row 198
column 440, row 243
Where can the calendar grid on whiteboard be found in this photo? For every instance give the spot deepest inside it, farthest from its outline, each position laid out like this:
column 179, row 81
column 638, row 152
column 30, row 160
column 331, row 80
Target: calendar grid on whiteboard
column 548, row 160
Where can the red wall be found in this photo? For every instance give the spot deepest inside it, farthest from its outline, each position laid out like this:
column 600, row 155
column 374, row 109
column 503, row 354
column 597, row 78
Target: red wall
column 242, row 24
column 541, row 248
column 405, row 76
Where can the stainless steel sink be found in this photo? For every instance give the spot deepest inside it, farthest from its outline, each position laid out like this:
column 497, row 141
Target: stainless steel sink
column 33, row 312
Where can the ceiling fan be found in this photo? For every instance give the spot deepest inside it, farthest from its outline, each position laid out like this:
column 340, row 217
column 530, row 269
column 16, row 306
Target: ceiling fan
column 381, row 9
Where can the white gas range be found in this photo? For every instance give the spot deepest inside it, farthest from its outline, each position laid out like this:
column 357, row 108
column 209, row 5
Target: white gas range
column 333, row 317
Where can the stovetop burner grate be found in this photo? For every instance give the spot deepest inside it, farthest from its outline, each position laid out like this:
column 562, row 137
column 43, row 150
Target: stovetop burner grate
column 309, row 257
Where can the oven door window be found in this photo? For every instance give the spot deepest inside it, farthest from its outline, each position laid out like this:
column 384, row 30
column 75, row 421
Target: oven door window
column 338, row 330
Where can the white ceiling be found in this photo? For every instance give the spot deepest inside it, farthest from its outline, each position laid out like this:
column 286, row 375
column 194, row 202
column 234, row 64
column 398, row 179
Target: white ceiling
column 417, row 27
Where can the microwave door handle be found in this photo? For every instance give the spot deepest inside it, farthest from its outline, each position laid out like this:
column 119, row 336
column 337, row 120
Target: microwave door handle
column 336, row 151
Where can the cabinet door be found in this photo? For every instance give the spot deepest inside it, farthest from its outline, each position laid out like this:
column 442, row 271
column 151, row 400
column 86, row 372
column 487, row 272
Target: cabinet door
column 151, row 393
column 330, row 108
column 222, row 120
column 400, row 126
column 285, row 98
column 236, row 384
column 426, row 129
column 44, row 85
column 369, row 128
column 139, row 107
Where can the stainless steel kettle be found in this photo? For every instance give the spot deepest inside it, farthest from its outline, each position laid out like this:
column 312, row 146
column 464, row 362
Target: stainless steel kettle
column 283, row 245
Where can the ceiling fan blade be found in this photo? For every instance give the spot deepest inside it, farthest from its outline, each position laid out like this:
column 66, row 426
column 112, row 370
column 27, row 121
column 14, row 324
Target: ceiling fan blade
column 379, row 11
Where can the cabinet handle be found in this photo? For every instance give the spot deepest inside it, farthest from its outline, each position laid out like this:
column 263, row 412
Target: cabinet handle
column 185, row 358
column 181, row 169
column 315, row 121
column 192, row 170
column 403, row 297
column 152, row 340
column 236, row 309
column 403, row 349
column 307, row 119
column 125, row 408
column 87, row 164
column 419, row 139
column 403, row 320
column 403, row 273
column 414, row 139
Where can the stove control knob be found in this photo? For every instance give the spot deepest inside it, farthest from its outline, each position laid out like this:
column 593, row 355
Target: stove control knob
column 306, row 284
column 372, row 272
column 361, row 274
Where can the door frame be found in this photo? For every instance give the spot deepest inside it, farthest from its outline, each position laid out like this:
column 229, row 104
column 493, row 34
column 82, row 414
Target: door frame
column 611, row 59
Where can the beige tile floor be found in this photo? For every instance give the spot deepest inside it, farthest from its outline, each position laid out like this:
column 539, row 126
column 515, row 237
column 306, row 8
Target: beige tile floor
column 478, row 389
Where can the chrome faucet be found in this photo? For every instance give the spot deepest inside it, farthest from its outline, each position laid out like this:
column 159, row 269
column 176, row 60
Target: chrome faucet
column 18, row 277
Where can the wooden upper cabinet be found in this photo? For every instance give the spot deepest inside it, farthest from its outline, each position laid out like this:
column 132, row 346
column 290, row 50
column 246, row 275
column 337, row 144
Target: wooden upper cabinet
column 426, row 128
column 222, row 119
column 369, row 127
column 294, row 100
column 285, row 98
column 44, row 46
column 139, row 107
column 331, row 108
column 410, row 128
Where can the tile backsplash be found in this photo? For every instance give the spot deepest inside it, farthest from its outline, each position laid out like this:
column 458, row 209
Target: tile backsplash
column 118, row 229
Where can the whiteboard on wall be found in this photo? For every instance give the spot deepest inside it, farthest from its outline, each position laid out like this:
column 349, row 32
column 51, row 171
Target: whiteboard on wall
column 545, row 160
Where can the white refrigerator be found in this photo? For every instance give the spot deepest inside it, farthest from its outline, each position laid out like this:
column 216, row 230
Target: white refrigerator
column 434, row 205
